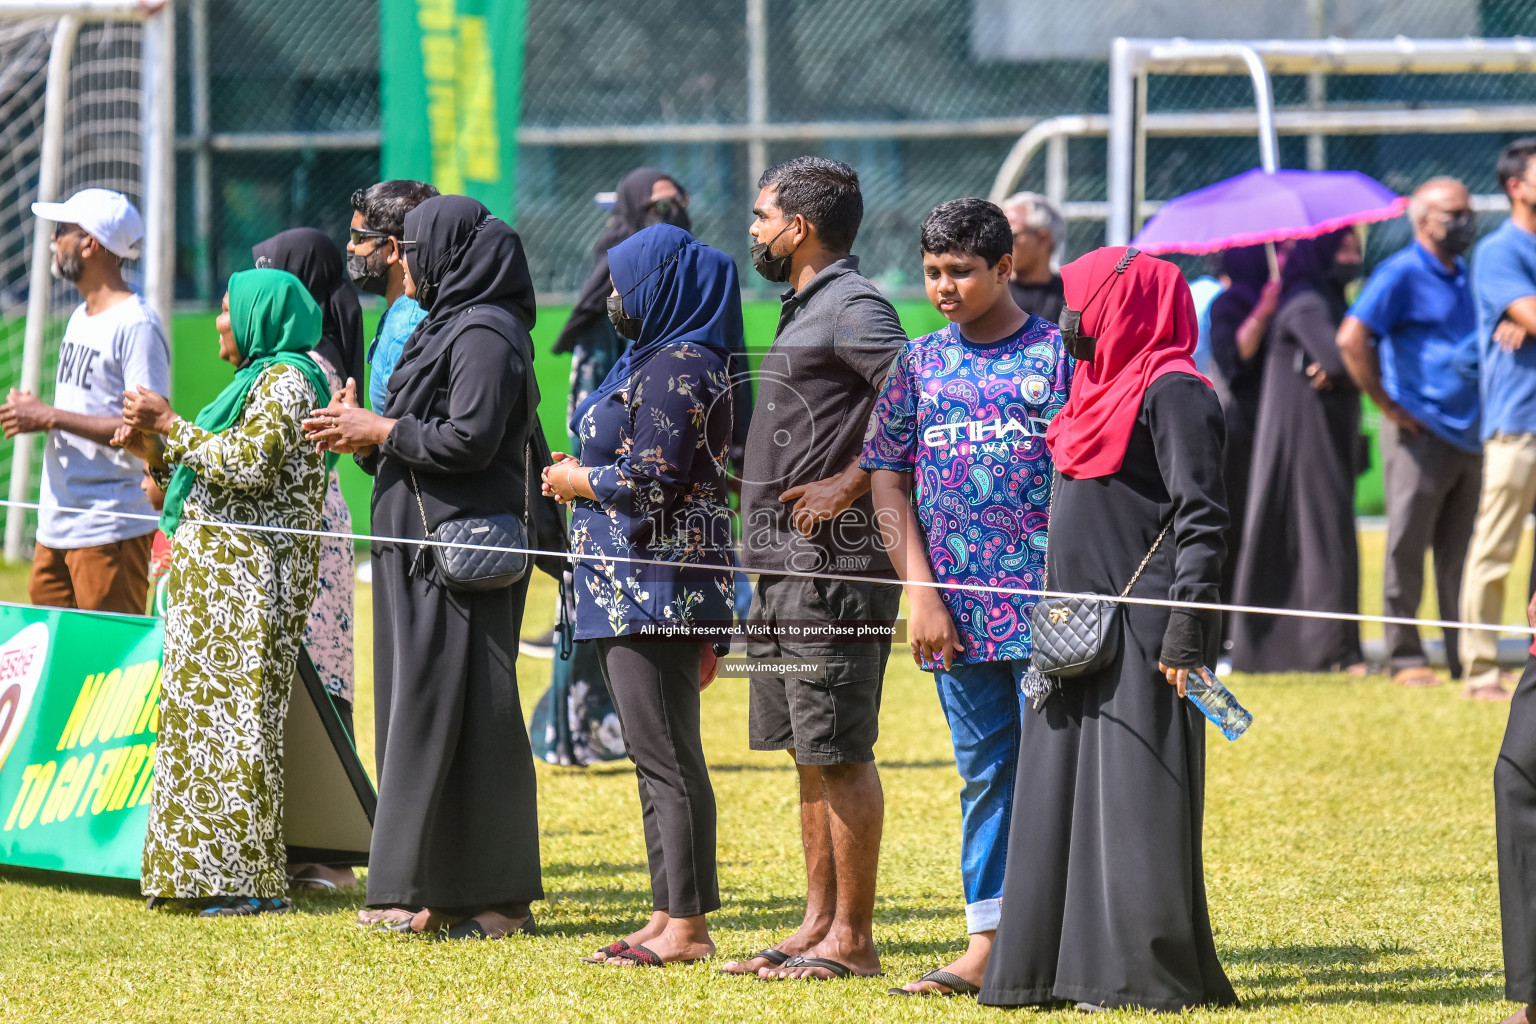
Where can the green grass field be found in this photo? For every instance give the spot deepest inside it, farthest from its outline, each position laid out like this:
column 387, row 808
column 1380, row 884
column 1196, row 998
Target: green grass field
column 1349, row 857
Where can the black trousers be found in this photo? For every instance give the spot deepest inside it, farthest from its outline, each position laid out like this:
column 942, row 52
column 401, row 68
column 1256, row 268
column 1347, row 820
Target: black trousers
column 655, row 687
column 1514, row 808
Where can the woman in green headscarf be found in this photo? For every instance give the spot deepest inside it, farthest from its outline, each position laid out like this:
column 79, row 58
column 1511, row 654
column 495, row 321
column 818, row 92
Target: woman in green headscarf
column 237, row 599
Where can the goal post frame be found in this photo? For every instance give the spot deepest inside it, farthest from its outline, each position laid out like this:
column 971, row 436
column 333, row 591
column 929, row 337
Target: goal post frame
column 157, row 176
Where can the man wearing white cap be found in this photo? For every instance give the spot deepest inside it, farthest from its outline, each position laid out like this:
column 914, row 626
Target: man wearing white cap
column 113, row 343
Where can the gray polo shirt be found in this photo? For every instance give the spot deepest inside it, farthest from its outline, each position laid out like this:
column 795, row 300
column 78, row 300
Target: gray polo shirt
column 816, row 388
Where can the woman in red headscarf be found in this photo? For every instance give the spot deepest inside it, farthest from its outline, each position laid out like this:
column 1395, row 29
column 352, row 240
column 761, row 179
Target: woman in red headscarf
column 1104, row 899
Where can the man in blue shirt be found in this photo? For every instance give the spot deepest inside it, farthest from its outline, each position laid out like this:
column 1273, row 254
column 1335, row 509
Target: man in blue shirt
column 1410, row 343
column 376, row 263
column 1505, row 288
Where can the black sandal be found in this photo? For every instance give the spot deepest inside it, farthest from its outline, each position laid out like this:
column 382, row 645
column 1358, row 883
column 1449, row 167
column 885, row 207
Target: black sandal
column 245, row 906
column 472, row 929
column 607, row 953
column 839, row 970
column 776, row 957
column 957, row 986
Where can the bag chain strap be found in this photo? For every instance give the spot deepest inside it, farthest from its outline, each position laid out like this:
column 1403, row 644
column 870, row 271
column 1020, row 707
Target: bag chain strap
column 1050, row 514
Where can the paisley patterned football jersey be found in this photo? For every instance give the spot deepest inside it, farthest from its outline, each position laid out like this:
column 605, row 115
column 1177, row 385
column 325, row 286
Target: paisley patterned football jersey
column 968, row 422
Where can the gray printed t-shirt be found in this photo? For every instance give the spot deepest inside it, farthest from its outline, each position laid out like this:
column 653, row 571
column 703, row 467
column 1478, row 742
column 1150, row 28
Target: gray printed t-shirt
column 816, row 387
column 101, row 357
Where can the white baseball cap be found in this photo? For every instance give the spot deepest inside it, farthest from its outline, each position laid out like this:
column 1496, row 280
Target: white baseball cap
column 107, row 216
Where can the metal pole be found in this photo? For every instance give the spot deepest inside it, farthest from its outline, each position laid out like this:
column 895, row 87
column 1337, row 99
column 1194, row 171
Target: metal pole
column 757, row 87
column 1056, row 188
column 1122, row 146
column 202, row 159
column 1139, row 152
column 1317, row 88
column 40, row 283
column 158, row 170
column 1264, row 105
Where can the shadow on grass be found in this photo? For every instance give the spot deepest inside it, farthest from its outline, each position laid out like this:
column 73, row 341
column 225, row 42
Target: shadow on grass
column 1339, row 974
column 61, row 881
column 789, row 766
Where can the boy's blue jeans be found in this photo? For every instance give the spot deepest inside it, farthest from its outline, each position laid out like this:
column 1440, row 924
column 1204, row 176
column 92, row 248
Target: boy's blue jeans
column 985, row 707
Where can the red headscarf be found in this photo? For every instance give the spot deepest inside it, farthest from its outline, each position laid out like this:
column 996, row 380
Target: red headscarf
column 1144, row 320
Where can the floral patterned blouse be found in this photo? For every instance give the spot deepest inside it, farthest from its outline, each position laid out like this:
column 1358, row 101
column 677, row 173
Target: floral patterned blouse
column 657, row 448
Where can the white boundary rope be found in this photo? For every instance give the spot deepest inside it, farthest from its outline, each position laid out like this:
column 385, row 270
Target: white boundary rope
column 1295, row 613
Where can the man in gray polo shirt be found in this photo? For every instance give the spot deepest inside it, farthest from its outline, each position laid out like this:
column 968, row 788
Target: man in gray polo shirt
column 113, row 343
column 806, row 509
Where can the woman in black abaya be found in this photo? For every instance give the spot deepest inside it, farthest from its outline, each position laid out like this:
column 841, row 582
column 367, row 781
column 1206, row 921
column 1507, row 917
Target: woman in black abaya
column 1299, row 546
column 1104, row 894
column 1239, row 320
column 455, row 838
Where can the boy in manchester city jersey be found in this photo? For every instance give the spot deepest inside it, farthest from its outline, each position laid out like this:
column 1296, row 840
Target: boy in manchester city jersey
column 961, row 480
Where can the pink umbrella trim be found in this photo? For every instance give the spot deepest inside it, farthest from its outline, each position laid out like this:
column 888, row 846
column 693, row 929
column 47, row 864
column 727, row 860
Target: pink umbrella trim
column 1326, row 227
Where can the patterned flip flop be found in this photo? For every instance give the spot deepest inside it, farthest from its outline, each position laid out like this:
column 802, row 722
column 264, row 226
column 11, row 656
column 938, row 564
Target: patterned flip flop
column 776, row 957
column 607, row 953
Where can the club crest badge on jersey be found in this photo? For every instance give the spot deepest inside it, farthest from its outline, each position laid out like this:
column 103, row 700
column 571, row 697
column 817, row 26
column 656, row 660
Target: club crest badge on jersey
column 1036, row 388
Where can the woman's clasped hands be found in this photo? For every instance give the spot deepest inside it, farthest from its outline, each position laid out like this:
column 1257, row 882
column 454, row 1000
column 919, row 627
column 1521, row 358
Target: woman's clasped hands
column 345, row 427
column 147, row 418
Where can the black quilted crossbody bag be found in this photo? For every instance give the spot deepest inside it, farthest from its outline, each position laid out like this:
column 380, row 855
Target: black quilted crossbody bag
column 473, row 568
column 1074, row 636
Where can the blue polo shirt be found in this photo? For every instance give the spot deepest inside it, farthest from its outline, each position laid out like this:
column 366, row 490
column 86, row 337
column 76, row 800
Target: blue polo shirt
column 1425, row 324
column 1506, row 272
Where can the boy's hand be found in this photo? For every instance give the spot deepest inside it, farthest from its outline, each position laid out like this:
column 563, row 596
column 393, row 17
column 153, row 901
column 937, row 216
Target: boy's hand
column 931, row 632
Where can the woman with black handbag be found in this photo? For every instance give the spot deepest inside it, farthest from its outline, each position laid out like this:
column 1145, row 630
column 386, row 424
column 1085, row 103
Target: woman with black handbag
column 651, row 530
column 455, row 839
column 1104, row 895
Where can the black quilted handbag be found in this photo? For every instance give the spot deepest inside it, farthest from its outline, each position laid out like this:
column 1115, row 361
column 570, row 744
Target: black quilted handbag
column 1078, row 635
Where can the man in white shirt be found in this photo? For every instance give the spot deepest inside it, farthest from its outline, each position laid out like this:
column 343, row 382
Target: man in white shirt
column 113, row 343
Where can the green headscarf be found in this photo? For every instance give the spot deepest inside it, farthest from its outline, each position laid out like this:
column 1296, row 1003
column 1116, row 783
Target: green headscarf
column 274, row 320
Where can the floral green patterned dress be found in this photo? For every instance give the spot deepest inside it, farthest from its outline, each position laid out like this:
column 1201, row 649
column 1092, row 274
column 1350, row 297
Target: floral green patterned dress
column 236, row 609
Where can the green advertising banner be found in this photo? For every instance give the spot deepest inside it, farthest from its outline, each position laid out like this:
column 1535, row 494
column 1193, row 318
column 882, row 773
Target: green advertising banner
column 79, row 710
column 451, row 75
column 79, row 714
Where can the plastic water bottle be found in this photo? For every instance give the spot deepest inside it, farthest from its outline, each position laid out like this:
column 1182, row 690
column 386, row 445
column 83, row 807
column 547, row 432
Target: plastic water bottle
column 1216, row 702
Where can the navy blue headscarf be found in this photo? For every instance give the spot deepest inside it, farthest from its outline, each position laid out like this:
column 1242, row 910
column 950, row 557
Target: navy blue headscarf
column 682, row 290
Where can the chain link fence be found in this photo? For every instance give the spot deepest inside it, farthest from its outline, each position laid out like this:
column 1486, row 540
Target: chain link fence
column 279, row 118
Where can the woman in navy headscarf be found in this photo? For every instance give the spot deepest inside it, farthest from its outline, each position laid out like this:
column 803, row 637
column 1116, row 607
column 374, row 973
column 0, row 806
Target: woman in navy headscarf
column 651, row 526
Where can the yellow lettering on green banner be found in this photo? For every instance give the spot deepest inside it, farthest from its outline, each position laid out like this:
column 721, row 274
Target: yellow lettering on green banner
column 71, row 734
column 435, row 15
column 104, row 697
column 27, row 777
column 127, row 684
column 133, row 707
column 127, row 775
column 141, row 790
column 59, row 791
column 39, row 790
column 479, row 139
column 77, row 783
column 107, row 762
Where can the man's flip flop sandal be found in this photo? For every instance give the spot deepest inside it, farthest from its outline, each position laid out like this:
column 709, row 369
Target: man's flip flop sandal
column 839, row 970
column 607, row 953
column 642, row 957
column 957, row 986
column 774, row 956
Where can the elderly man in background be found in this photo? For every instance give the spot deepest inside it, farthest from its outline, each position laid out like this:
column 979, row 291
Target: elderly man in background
column 1410, row 343
column 1505, row 291
column 1037, row 227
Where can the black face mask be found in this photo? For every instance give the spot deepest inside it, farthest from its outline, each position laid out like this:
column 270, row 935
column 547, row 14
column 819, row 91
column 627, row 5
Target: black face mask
column 370, row 273
column 773, row 268
column 627, row 326
column 1078, row 345
column 1343, row 274
column 1460, row 232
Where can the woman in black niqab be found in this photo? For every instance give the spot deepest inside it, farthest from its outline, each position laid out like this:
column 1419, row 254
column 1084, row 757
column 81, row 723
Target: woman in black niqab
column 1238, row 382
column 455, row 837
column 1300, row 549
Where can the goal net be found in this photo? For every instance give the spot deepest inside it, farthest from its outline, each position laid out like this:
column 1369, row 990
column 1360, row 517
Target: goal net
column 99, row 140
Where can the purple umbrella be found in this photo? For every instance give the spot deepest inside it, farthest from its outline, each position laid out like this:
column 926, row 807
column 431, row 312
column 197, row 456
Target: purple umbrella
column 1258, row 206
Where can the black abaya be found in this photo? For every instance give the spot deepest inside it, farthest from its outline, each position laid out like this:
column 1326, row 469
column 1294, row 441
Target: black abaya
column 1514, row 808
column 457, row 823
column 1104, row 897
column 1300, row 548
